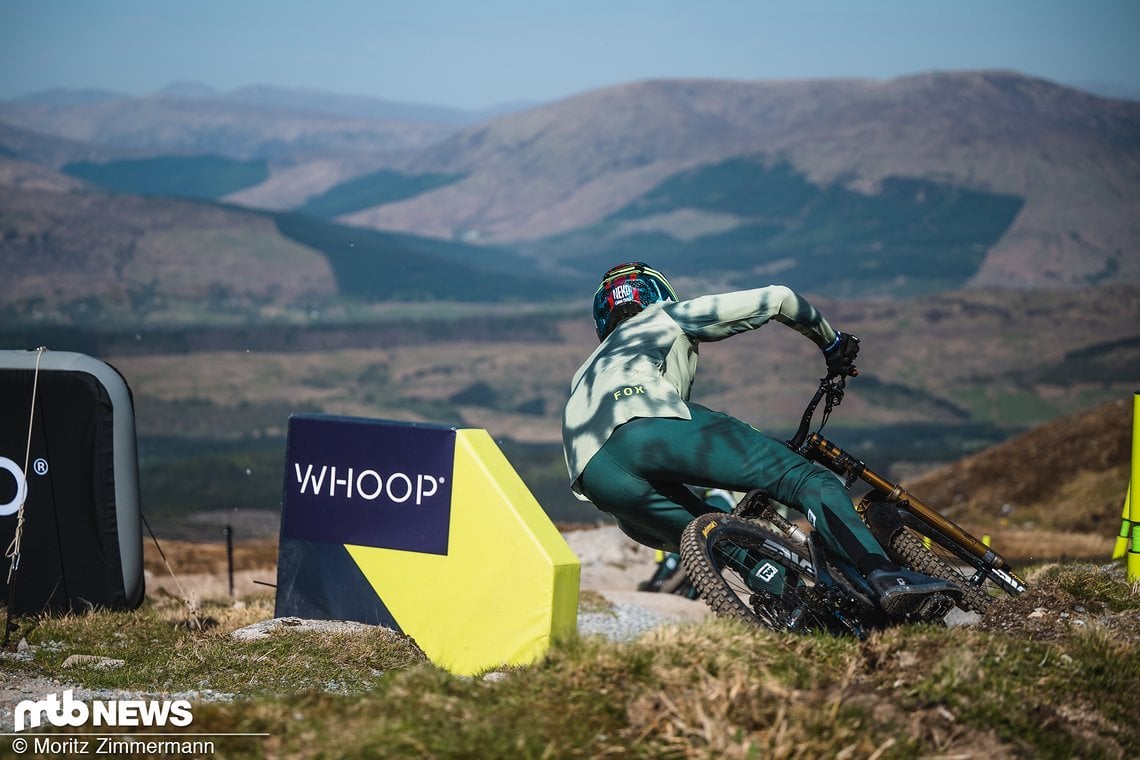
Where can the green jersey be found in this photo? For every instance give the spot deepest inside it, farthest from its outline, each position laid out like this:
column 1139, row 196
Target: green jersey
column 645, row 367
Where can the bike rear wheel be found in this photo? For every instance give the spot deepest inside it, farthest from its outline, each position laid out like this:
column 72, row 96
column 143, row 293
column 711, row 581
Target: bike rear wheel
column 719, row 552
column 909, row 549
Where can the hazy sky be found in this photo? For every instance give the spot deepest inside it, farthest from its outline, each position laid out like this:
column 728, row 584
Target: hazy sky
column 479, row 53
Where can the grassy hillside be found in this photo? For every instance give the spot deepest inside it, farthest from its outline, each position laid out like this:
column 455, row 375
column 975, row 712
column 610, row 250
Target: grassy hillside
column 910, row 236
column 376, row 189
column 94, row 259
column 1069, row 474
column 206, row 176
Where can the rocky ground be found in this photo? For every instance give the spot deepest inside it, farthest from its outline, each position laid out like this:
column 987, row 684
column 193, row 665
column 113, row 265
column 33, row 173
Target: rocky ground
column 612, row 566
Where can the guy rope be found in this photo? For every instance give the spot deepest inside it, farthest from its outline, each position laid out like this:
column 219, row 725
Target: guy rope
column 13, row 551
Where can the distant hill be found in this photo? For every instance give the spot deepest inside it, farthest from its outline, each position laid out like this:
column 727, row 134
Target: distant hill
column 846, row 187
column 289, row 99
column 79, row 257
column 310, row 141
column 318, row 101
column 1073, row 159
column 231, row 127
column 1069, row 474
column 82, row 257
column 48, row 151
column 745, row 217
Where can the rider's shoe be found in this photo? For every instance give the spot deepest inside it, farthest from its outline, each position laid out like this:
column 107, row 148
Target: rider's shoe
column 902, row 591
column 667, row 566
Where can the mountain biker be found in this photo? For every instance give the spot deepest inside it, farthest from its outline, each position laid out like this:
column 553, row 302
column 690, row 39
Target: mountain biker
column 634, row 442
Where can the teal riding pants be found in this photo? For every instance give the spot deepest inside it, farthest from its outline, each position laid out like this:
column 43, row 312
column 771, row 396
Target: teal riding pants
column 640, row 476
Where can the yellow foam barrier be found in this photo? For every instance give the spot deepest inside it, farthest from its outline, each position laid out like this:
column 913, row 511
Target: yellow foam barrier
column 507, row 584
column 425, row 529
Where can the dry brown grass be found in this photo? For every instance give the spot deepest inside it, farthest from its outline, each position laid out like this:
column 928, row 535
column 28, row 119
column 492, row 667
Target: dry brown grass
column 191, row 557
column 1023, row 547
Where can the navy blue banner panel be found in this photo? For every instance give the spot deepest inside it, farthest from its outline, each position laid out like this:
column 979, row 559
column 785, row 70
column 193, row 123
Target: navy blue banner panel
column 352, row 481
column 319, row 581
column 375, row 483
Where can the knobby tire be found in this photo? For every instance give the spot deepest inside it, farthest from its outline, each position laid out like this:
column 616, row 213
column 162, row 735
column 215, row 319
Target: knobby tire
column 908, row 548
column 722, row 584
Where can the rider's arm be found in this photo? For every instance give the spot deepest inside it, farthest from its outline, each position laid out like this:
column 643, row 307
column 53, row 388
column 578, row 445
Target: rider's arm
column 715, row 317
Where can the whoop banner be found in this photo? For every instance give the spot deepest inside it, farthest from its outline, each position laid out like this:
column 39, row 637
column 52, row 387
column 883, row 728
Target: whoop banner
column 352, row 480
column 415, row 527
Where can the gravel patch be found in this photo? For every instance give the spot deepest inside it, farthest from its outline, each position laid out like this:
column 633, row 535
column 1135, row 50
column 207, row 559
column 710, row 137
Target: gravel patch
column 624, row 623
column 262, row 629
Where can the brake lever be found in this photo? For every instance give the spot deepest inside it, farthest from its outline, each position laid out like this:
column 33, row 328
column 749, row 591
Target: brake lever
column 834, row 387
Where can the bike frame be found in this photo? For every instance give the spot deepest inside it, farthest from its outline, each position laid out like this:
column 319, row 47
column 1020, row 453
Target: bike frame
column 815, row 447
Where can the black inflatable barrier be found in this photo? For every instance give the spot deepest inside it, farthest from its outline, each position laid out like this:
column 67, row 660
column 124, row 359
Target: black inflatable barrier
column 81, row 544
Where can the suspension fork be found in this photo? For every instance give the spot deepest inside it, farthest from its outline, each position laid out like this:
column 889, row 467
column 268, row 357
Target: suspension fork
column 819, row 449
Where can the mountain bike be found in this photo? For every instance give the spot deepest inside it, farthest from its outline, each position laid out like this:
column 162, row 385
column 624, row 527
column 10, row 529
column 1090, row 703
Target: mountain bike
column 758, row 565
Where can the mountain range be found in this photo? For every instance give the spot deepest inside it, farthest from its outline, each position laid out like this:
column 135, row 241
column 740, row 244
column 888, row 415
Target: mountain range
column 848, row 187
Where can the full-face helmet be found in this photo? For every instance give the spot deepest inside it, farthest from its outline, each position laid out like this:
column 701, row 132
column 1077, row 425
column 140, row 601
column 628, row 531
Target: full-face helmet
column 626, row 290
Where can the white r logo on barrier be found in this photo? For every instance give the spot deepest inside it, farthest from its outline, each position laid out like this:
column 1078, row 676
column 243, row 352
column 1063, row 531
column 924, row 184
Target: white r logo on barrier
column 21, row 487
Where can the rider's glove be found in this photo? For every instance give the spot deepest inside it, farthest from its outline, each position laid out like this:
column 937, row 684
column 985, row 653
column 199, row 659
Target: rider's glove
column 840, row 355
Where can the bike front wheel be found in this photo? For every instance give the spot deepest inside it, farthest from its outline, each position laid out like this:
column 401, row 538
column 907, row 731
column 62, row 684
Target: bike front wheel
column 745, row 571
column 913, row 543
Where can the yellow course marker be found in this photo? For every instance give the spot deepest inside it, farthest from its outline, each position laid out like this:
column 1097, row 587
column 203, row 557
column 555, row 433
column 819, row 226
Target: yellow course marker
column 1134, row 488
